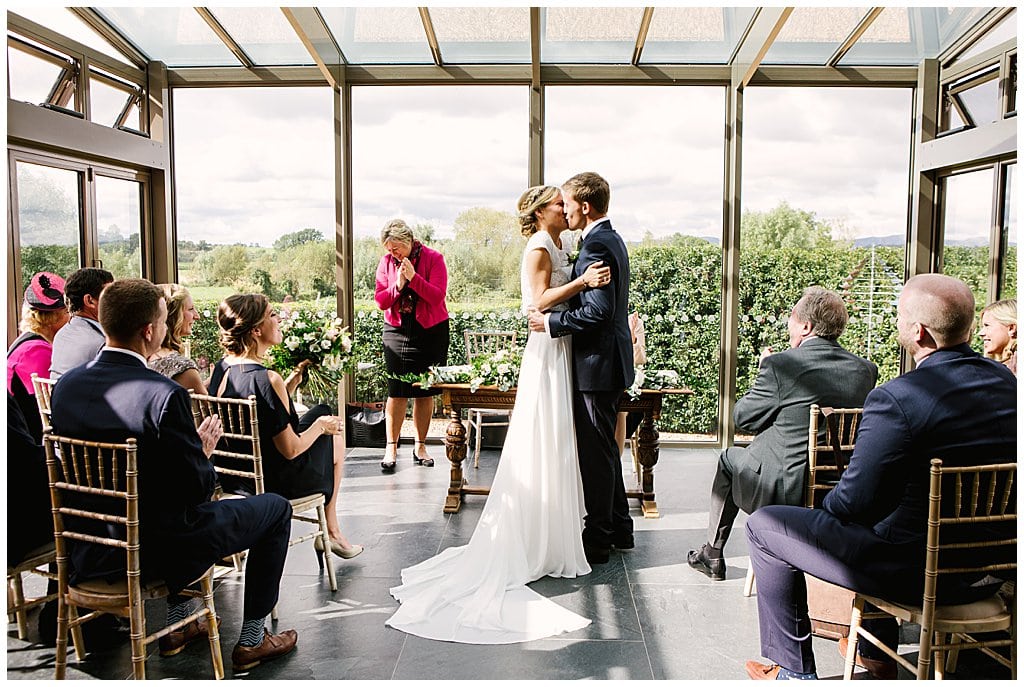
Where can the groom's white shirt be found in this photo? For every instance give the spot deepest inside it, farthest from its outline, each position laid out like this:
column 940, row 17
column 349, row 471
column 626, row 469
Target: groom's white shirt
column 583, row 237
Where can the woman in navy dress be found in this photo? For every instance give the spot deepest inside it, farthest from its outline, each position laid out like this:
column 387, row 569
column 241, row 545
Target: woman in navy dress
column 300, row 456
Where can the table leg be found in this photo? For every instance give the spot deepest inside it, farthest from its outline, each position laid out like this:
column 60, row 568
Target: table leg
column 455, row 450
column 648, row 448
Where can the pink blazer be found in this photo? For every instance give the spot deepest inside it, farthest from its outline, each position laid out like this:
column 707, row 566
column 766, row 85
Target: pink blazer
column 430, row 284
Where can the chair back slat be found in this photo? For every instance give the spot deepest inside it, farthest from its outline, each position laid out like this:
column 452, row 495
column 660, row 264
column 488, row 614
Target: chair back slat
column 488, row 341
column 238, row 452
column 831, row 437
column 971, row 510
column 94, row 494
column 43, row 389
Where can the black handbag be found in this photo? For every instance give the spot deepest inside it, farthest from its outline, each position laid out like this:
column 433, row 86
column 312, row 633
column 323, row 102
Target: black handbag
column 364, row 425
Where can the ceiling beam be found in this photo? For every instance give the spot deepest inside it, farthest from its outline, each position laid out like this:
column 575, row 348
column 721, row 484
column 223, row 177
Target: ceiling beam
column 429, row 74
column 535, row 35
column 225, row 37
column 309, row 26
column 117, row 39
column 862, row 26
column 764, row 27
column 428, row 28
column 641, row 36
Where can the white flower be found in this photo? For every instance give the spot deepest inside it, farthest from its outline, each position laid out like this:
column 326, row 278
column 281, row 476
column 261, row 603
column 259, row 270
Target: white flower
column 485, row 369
column 292, row 342
column 206, row 313
column 325, row 344
column 308, row 336
column 504, row 369
column 320, row 314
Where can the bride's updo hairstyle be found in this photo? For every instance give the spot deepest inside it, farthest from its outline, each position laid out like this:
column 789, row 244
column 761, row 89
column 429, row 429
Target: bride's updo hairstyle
column 237, row 317
column 534, row 199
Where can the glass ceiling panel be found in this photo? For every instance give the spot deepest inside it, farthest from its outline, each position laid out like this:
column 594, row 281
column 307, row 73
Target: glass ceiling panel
column 64, row 22
column 379, row 35
column 589, row 35
column 694, row 35
column 177, row 36
column 482, row 35
column 812, row 34
column 907, row 35
column 264, row 34
column 1005, row 30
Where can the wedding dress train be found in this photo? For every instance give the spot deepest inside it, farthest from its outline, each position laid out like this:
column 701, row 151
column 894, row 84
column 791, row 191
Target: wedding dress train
column 530, row 526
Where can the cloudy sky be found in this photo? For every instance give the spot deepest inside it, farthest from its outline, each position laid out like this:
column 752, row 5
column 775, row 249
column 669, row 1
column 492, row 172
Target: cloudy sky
column 255, row 163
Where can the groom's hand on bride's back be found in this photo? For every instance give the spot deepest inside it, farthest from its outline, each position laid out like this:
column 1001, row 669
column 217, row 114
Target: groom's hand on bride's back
column 535, row 318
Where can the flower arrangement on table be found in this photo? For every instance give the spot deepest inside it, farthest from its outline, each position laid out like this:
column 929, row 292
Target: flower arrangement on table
column 499, row 369
column 317, row 337
column 653, row 379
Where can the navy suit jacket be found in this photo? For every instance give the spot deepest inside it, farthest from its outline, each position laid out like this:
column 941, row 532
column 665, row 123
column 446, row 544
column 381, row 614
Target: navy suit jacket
column 115, row 397
column 956, row 406
column 603, row 358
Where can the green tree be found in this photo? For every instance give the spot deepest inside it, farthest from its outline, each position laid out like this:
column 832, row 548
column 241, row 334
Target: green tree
column 483, row 258
column 783, row 227
column 298, row 238
column 225, row 265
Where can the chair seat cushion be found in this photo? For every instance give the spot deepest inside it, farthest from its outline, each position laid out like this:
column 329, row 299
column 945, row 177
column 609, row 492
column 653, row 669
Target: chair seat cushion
column 101, row 595
column 304, row 503
column 988, row 608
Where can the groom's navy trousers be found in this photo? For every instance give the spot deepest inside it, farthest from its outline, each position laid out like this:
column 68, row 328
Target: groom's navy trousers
column 595, row 414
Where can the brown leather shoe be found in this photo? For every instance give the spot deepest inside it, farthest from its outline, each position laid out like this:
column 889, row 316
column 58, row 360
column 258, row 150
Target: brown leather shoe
column 879, row 669
column 174, row 643
column 272, row 646
column 762, row 671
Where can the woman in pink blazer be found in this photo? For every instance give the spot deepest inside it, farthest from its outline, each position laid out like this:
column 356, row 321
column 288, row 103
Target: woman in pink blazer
column 412, row 282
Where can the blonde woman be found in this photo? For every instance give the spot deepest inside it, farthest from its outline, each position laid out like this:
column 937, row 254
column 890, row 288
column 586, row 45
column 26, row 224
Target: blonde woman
column 999, row 332
column 532, row 521
column 170, row 360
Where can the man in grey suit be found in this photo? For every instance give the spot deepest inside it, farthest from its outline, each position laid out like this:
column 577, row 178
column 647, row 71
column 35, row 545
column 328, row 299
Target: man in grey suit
column 772, row 470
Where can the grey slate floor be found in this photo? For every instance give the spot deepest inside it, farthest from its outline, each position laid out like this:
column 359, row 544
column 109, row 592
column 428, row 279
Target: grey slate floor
column 653, row 617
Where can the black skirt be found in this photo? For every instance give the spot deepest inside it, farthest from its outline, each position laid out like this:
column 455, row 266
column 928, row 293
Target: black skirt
column 412, row 349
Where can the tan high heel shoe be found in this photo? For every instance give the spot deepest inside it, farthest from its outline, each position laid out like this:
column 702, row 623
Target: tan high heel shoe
column 337, row 549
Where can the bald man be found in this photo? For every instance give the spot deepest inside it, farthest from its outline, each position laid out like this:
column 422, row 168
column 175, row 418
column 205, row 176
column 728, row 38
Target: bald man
column 869, row 536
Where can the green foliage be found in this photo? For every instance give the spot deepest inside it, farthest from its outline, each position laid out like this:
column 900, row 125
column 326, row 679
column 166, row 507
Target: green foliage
column 59, row 259
column 297, row 238
column 224, row 266
column 783, row 227
column 483, row 258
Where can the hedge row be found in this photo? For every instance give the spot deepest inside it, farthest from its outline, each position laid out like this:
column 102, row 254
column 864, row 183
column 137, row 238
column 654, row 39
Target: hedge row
column 676, row 289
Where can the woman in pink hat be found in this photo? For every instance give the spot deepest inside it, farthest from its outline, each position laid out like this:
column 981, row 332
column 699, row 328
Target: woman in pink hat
column 43, row 313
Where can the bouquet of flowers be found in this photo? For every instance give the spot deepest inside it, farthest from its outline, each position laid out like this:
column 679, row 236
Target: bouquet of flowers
column 316, row 337
column 653, row 379
column 500, row 369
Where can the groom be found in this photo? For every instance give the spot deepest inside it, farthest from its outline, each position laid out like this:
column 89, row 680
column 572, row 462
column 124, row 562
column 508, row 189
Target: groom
column 602, row 362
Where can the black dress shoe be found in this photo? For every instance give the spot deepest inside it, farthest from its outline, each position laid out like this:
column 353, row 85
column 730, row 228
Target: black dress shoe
column 712, row 567
column 623, row 541
column 596, row 556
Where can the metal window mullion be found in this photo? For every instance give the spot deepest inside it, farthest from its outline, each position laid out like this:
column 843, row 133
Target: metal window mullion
column 862, row 26
column 226, row 38
column 428, row 29
column 641, row 36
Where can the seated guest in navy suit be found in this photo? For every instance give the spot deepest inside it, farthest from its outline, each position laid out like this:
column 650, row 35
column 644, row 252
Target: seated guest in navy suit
column 116, row 396
column 870, row 534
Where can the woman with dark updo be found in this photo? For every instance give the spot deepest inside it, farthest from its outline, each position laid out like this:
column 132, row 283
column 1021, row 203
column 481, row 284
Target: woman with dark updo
column 300, row 456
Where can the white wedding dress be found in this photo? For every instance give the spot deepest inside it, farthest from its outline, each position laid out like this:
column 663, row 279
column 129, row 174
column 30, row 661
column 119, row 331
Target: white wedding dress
column 531, row 524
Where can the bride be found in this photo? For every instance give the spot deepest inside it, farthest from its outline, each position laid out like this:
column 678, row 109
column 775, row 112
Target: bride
column 531, row 524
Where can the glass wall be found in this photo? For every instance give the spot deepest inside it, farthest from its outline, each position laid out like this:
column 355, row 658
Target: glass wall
column 662, row 152
column 254, row 172
column 967, row 229
column 1008, row 238
column 119, row 225
column 824, row 203
column 451, row 161
column 49, row 218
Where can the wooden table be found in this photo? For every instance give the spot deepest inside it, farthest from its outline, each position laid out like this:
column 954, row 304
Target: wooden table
column 456, row 397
